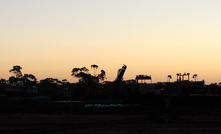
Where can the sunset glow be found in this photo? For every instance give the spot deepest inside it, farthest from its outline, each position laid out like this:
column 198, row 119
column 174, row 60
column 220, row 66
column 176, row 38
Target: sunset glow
column 152, row 37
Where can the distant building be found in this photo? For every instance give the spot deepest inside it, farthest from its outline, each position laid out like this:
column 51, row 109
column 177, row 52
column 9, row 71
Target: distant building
column 141, row 87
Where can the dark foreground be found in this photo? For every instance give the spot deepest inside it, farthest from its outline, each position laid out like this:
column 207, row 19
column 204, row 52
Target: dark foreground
column 200, row 116
column 156, row 121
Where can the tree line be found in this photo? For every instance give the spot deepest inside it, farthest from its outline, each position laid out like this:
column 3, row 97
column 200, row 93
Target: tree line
column 83, row 75
column 53, row 85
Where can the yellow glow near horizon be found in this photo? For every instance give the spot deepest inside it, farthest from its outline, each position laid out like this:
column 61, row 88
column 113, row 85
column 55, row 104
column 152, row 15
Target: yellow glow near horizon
column 49, row 38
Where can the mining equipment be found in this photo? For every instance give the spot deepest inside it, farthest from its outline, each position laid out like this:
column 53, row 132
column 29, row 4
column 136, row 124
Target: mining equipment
column 119, row 79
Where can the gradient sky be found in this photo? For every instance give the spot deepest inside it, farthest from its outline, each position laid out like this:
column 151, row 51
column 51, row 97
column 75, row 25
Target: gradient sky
column 48, row 38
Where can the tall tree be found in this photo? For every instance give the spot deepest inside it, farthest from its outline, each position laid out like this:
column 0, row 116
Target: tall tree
column 75, row 71
column 29, row 79
column 87, row 78
column 95, row 67
column 82, row 74
column 17, row 71
column 102, row 75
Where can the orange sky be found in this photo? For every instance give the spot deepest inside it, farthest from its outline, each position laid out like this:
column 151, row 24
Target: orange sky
column 157, row 38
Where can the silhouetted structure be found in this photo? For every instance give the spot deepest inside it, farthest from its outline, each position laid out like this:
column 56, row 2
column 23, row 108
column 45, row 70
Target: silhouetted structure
column 119, row 79
column 143, row 87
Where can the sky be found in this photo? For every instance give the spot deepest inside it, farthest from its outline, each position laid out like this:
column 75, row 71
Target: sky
column 48, row 38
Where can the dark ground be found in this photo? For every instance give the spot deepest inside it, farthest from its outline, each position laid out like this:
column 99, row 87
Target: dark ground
column 34, row 117
column 158, row 121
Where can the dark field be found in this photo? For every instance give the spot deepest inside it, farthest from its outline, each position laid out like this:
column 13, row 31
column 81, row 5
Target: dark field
column 158, row 121
column 27, row 117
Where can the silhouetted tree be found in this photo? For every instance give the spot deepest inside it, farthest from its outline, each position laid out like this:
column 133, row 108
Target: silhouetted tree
column 51, row 81
column 168, row 78
column 12, row 79
column 50, row 86
column 195, row 76
column 94, row 67
column 29, row 79
column 78, row 70
column 2, row 84
column 102, row 75
column 81, row 73
column 85, row 77
column 64, row 82
column 2, row 81
column 17, row 71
